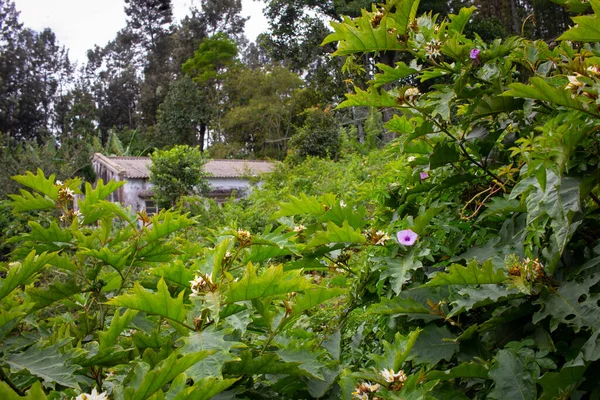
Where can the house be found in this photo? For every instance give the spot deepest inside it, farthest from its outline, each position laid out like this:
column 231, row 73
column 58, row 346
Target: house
column 225, row 177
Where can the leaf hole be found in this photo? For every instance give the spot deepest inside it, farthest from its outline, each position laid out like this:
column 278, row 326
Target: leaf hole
column 569, row 317
column 582, row 298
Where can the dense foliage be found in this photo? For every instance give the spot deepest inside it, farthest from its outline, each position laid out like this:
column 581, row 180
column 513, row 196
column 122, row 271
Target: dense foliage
column 460, row 261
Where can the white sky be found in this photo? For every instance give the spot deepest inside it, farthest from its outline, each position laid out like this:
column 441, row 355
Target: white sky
column 80, row 24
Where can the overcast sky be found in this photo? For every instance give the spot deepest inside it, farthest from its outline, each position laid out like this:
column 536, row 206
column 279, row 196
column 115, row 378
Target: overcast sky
column 80, row 24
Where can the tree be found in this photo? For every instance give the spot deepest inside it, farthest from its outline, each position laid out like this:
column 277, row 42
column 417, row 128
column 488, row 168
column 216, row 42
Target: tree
column 177, row 172
column 182, row 117
column 263, row 105
column 208, row 67
column 147, row 19
column 319, row 136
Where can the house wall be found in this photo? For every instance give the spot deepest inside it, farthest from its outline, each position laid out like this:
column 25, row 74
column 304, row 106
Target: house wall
column 131, row 191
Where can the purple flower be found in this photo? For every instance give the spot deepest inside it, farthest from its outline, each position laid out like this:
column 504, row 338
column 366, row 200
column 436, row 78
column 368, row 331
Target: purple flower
column 407, row 237
column 474, row 55
column 424, row 175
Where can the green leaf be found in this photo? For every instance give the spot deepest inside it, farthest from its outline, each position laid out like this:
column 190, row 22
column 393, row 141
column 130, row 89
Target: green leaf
column 472, row 274
column 587, row 27
column 313, row 297
column 39, row 183
column 268, row 363
column 176, row 273
column 159, row 303
column 100, row 192
column 403, row 306
column 205, row 389
column 167, row 370
column 443, row 153
column 209, row 339
column 22, row 272
column 54, row 235
column 306, row 360
column 103, row 209
column 303, row 205
column 391, row 74
column 118, row 260
column 35, row 392
column 539, row 89
column 118, row 324
column 360, row 35
column 400, row 124
column 493, row 105
column 399, row 270
column 395, row 353
column 480, row 296
column 459, row 22
column 372, row 97
column 47, row 363
column 336, row 234
column 443, row 104
column 571, row 304
column 43, row 297
column 513, row 376
column 471, row 369
column 163, row 225
column 433, row 345
column 272, row 282
column 559, row 385
column 27, row 201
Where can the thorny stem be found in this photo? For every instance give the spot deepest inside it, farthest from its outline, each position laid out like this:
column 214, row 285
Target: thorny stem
column 466, row 153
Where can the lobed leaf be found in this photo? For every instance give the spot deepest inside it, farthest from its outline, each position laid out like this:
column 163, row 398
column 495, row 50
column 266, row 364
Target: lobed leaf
column 158, row 303
column 472, row 274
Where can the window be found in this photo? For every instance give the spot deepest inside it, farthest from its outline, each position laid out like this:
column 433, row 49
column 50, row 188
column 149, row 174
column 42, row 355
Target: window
column 151, row 207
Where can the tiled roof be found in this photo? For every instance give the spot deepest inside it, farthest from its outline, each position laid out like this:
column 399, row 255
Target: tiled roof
column 137, row 167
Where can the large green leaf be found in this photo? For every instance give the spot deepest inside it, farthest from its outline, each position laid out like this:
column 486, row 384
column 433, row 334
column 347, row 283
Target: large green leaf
column 587, row 27
column 57, row 291
column 399, row 270
column 337, row 234
column 22, row 272
column 47, row 363
column 395, row 353
column 459, row 21
column 303, row 205
column 117, row 325
column 443, row 153
column 539, row 89
column 313, row 297
column 152, row 381
column 159, row 303
column 209, row 339
column 472, row 274
column 268, row 363
column 402, row 305
column 35, row 392
column 27, row 201
column 558, row 385
column 205, row 389
column 371, row 31
column 513, row 376
column 471, row 369
column 94, row 194
column 306, row 360
column 372, row 97
column 392, row 74
column 272, row 282
column 117, row 259
column 163, row 225
column 571, row 304
column 433, row 345
column 480, row 296
column 176, row 273
column 39, row 183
